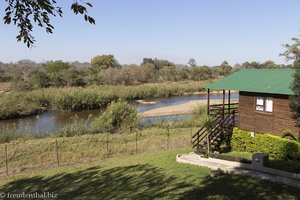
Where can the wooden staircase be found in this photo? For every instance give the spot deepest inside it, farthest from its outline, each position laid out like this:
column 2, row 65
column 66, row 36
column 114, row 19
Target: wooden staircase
column 220, row 132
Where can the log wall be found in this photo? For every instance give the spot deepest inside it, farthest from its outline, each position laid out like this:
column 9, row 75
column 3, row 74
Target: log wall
column 263, row 122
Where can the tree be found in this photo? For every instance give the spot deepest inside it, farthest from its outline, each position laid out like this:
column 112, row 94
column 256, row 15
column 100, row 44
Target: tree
column 75, row 78
column 104, row 62
column 148, row 73
column 192, row 62
column 293, row 53
column 25, row 13
column 269, row 65
column 56, row 73
column 225, row 68
column 40, row 79
column 295, row 99
column 158, row 63
column 57, row 66
column 167, row 74
column 254, row 65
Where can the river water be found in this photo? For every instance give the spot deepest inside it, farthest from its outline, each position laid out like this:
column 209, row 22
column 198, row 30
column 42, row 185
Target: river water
column 50, row 122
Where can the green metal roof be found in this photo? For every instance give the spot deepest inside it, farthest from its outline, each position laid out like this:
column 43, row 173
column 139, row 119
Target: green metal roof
column 274, row 81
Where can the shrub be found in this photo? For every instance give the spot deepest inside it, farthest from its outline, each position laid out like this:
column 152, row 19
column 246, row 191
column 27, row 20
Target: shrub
column 117, row 116
column 18, row 105
column 276, row 147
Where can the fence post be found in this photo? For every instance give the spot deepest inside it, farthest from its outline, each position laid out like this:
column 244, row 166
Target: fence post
column 6, row 160
column 191, row 135
column 107, row 141
column 168, row 135
column 136, row 141
column 56, row 148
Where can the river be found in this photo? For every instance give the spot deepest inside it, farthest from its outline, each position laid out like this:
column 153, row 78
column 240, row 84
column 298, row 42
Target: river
column 50, row 122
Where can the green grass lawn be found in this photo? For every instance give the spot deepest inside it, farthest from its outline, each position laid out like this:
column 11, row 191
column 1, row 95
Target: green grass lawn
column 144, row 176
column 286, row 165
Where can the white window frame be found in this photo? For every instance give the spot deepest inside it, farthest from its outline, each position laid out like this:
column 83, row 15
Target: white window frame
column 264, row 104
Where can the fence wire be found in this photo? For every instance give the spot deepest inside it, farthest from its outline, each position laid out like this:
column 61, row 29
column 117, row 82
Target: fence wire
column 52, row 152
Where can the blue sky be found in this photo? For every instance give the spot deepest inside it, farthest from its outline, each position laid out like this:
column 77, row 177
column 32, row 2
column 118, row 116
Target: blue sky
column 209, row 31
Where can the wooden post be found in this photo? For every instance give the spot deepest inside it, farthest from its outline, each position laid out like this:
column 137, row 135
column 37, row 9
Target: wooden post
column 56, row 147
column 136, row 142
column 6, row 160
column 228, row 101
column 208, row 99
column 191, row 135
column 107, row 141
column 168, row 135
column 198, row 142
column 223, row 103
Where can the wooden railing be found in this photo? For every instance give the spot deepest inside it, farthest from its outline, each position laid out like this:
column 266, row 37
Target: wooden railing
column 201, row 133
column 222, row 123
column 214, row 109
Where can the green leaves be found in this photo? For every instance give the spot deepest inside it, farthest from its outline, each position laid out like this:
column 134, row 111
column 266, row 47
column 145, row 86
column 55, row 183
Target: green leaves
column 274, row 146
column 117, row 116
column 104, row 62
column 80, row 9
column 24, row 14
column 293, row 53
column 89, row 19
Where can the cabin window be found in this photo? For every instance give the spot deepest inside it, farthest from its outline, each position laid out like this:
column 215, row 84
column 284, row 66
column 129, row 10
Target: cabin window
column 264, row 104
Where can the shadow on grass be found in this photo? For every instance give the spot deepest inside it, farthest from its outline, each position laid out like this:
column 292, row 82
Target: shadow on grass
column 239, row 187
column 128, row 182
column 145, row 181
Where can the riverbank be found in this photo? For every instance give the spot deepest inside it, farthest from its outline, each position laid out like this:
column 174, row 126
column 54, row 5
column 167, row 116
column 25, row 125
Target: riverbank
column 21, row 104
column 185, row 108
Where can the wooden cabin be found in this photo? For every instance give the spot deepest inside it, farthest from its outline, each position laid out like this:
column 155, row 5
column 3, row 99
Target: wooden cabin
column 263, row 99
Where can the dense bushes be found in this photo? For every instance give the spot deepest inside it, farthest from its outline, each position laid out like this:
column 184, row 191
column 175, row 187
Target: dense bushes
column 19, row 105
column 93, row 97
column 275, row 147
column 76, row 99
column 118, row 116
column 105, row 70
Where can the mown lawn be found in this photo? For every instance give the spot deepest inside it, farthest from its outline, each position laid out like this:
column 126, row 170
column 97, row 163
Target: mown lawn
column 144, row 176
column 285, row 165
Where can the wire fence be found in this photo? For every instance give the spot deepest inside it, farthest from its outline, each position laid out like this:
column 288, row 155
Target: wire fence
column 32, row 154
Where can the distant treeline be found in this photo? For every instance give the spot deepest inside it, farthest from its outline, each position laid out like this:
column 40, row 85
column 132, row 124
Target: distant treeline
column 106, row 70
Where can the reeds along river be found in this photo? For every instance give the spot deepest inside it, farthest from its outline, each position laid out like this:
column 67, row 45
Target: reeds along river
column 50, row 122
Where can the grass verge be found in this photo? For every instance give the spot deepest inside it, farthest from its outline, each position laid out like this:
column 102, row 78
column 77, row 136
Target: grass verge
column 46, row 152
